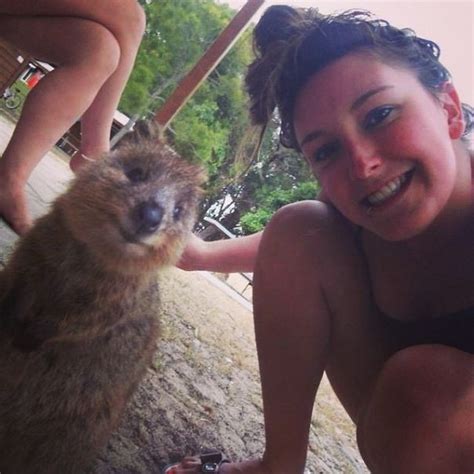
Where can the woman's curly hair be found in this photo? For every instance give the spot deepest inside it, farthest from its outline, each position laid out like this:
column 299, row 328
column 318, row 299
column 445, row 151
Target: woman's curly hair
column 291, row 44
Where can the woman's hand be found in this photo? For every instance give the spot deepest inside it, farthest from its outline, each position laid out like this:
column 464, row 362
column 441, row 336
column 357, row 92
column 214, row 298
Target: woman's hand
column 193, row 254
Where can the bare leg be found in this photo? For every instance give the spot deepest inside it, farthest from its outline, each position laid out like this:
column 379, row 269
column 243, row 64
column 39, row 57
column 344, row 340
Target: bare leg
column 43, row 120
column 419, row 418
column 96, row 122
column 125, row 20
column 94, row 64
column 310, row 295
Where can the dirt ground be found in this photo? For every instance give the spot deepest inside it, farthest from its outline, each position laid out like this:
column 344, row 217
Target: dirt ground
column 203, row 391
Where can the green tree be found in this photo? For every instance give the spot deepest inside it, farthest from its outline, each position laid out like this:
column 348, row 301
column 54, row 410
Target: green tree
column 177, row 34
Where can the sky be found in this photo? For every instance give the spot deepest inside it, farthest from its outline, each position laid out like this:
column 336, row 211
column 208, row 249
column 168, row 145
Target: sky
column 450, row 23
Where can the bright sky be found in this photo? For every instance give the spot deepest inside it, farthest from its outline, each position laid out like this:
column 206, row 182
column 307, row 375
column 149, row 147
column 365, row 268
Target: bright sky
column 450, row 23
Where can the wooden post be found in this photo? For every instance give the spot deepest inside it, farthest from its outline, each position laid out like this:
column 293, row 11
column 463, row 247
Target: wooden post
column 207, row 63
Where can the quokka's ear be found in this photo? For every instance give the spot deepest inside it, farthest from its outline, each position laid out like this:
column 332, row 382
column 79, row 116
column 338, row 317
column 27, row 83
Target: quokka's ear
column 143, row 130
column 149, row 129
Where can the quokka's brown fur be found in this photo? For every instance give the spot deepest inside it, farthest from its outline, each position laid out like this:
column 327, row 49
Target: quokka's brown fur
column 78, row 304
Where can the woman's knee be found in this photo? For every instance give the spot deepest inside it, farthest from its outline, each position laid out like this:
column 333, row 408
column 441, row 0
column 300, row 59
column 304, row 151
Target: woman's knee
column 306, row 228
column 409, row 374
column 426, row 373
column 98, row 51
column 137, row 22
column 128, row 26
column 305, row 218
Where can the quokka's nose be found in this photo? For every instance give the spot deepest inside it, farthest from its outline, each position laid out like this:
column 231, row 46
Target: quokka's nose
column 148, row 216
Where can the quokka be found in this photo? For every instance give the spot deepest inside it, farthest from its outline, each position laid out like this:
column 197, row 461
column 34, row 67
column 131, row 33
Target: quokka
column 79, row 302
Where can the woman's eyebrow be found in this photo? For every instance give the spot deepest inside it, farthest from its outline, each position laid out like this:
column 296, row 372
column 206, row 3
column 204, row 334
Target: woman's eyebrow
column 356, row 104
column 310, row 137
column 361, row 99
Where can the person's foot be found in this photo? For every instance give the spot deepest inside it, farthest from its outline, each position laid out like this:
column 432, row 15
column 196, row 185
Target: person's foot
column 78, row 160
column 14, row 209
column 192, row 465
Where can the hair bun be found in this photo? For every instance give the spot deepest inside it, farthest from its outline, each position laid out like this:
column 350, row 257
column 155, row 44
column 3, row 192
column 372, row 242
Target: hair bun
column 275, row 25
column 279, row 27
column 271, row 36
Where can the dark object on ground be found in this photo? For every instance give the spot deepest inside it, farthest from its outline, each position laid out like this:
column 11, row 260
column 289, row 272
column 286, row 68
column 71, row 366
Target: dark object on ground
column 209, row 462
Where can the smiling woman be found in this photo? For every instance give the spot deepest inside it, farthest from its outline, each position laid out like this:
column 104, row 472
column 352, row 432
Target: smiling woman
column 375, row 286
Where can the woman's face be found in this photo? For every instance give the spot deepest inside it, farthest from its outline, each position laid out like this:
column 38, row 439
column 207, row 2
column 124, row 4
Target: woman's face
column 380, row 144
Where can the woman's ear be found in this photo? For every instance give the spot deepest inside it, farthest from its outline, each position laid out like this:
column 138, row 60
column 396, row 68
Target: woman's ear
column 452, row 107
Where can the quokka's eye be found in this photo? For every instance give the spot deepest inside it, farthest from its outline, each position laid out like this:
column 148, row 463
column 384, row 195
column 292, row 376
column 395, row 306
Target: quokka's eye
column 136, row 175
column 177, row 212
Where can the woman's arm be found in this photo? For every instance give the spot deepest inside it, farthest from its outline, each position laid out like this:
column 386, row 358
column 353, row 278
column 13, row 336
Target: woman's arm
column 225, row 256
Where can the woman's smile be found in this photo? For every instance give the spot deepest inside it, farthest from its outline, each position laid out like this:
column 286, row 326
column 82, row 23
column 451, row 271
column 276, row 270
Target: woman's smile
column 386, row 195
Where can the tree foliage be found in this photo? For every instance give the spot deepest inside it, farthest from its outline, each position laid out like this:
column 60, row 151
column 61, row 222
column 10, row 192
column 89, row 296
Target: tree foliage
column 279, row 177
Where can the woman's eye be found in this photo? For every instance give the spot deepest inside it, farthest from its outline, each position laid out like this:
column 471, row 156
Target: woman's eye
column 377, row 116
column 325, row 152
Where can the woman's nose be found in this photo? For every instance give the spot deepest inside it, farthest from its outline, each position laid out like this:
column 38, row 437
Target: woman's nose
column 364, row 160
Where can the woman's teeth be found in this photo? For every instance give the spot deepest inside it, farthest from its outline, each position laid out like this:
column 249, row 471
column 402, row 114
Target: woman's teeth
column 389, row 190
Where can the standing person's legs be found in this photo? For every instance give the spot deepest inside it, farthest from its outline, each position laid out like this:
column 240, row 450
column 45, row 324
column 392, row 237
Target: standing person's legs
column 125, row 20
column 56, row 102
column 96, row 122
column 94, row 61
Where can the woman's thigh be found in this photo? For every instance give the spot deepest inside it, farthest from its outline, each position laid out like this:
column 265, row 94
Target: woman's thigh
column 103, row 11
column 122, row 17
column 62, row 41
